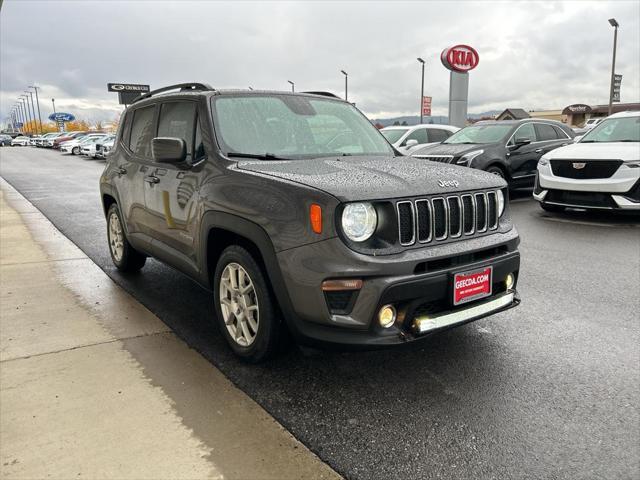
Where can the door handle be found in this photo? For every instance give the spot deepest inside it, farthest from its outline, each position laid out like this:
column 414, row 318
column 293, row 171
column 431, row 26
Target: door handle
column 538, row 150
column 152, row 179
column 121, row 170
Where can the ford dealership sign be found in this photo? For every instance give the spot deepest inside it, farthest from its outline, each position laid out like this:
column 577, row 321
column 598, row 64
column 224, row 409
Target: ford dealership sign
column 61, row 117
column 460, row 58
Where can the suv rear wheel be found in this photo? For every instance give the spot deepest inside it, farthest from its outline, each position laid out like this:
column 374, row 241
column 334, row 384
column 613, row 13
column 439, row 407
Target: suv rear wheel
column 124, row 256
column 246, row 312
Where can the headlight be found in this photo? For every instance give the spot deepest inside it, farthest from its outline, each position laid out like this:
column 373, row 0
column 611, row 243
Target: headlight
column 500, row 197
column 359, row 221
column 543, row 161
column 468, row 157
column 632, row 164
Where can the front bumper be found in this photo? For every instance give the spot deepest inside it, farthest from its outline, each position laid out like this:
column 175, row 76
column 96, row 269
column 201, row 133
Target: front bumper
column 621, row 191
column 418, row 283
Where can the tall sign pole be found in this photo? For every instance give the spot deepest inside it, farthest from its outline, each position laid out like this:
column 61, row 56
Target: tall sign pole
column 421, row 90
column 459, row 59
column 615, row 25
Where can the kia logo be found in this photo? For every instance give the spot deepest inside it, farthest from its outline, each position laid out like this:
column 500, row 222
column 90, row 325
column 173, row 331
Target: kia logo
column 460, row 58
column 448, row 183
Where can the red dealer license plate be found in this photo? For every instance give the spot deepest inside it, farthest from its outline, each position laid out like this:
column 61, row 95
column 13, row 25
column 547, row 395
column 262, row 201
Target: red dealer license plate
column 469, row 286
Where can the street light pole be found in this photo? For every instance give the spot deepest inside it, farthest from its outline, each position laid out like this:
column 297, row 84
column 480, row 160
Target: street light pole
column 53, row 101
column 421, row 88
column 293, row 85
column 25, row 102
column 38, row 103
column 346, row 85
column 615, row 25
column 32, row 113
column 24, row 114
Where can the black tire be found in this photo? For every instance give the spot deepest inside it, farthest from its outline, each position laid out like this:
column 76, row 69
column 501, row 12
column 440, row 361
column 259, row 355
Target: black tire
column 130, row 260
column 497, row 171
column 270, row 336
column 75, row 150
column 552, row 208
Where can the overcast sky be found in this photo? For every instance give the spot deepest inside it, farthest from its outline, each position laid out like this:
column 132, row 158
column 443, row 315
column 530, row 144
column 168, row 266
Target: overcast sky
column 533, row 55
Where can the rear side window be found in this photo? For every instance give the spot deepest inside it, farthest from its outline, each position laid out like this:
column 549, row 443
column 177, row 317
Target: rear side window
column 546, row 132
column 178, row 120
column 438, row 135
column 142, row 131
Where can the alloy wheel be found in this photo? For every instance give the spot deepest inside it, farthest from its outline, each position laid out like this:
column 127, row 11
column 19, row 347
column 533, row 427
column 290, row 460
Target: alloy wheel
column 239, row 304
column 116, row 237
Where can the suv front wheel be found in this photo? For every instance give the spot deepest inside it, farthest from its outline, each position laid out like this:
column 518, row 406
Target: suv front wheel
column 124, row 256
column 246, row 312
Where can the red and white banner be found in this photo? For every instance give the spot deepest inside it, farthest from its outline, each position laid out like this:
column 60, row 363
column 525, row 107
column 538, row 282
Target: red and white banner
column 426, row 106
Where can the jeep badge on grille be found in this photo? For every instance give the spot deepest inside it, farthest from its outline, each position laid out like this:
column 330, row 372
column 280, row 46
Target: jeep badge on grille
column 448, row 183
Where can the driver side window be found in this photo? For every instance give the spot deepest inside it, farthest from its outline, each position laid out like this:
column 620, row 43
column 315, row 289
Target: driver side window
column 524, row 131
column 419, row 135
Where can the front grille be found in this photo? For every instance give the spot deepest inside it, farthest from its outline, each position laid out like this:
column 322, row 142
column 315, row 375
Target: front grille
column 441, row 218
column 580, row 199
column 436, row 158
column 585, row 169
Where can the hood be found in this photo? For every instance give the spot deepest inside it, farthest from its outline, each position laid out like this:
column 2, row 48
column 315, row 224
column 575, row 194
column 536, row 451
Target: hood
column 371, row 178
column 455, row 149
column 597, row 151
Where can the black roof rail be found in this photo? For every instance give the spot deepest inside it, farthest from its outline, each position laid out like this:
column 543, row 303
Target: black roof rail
column 323, row 94
column 184, row 87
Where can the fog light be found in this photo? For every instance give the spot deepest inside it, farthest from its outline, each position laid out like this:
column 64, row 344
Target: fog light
column 387, row 316
column 510, row 281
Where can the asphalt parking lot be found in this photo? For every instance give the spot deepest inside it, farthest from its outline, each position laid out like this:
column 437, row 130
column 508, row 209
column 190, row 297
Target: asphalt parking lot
column 547, row 390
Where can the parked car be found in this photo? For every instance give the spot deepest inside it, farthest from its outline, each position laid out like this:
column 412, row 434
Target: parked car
column 592, row 122
column 12, row 134
column 407, row 139
column 67, row 137
column 20, row 141
column 103, row 146
column 509, row 149
column 88, row 147
column 73, row 146
column 601, row 171
column 42, row 140
column 49, row 141
column 296, row 213
column 5, row 140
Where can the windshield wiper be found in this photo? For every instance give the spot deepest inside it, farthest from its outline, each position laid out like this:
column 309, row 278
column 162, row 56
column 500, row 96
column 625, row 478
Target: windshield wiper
column 628, row 140
column 259, row 156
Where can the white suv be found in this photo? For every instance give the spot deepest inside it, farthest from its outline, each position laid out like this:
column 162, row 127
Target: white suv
column 601, row 171
column 406, row 139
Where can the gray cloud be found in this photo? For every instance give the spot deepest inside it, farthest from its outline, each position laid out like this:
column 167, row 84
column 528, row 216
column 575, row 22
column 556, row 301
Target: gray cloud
column 534, row 55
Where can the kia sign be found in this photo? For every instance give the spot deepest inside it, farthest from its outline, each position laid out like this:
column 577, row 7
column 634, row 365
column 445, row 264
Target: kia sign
column 461, row 58
column 426, row 106
column 61, row 117
column 127, row 87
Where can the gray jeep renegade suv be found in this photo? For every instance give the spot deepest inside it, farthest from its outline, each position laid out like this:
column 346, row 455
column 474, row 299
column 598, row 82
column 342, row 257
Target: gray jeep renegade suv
column 302, row 220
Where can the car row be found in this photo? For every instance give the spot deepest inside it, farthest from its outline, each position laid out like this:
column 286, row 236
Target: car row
column 91, row 144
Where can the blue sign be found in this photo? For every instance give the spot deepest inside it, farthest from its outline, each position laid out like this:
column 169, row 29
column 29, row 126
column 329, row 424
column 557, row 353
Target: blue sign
column 19, row 124
column 61, row 117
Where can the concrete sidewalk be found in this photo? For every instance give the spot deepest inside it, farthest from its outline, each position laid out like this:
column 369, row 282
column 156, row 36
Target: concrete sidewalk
column 93, row 385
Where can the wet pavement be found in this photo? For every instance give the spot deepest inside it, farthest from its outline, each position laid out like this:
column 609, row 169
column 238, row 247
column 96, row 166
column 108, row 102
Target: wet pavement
column 548, row 390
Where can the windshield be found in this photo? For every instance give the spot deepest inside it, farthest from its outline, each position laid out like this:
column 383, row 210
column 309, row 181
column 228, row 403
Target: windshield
column 393, row 135
column 624, row 129
column 293, row 127
column 479, row 134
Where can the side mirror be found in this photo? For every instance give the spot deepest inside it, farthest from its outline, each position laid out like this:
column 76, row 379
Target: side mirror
column 411, row 143
column 522, row 141
column 168, row 150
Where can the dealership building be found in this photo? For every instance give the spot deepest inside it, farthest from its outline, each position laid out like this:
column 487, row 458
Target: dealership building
column 573, row 115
